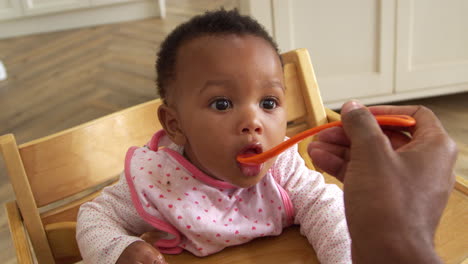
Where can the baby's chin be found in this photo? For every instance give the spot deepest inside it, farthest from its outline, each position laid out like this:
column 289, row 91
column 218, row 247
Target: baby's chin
column 247, row 181
column 238, row 177
column 241, row 181
column 246, row 185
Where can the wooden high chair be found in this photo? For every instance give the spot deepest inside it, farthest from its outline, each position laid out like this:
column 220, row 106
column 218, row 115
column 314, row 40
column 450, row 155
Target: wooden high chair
column 53, row 176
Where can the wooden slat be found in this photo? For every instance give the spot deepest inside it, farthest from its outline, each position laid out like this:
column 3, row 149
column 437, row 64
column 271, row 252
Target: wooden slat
column 20, row 241
column 68, row 212
column 312, row 98
column 293, row 130
column 294, row 98
column 58, row 234
column 25, row 199
column 332, row 116
column 79, row 158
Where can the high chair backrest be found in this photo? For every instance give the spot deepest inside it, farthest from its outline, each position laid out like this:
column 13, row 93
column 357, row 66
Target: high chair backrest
column 68, row 164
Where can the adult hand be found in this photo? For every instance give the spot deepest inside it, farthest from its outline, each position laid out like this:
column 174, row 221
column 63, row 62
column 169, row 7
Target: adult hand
column 395, row 186
column 141, row 252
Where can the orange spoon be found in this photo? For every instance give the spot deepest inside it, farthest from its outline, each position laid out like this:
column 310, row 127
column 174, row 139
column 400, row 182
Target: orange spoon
column 385, row 120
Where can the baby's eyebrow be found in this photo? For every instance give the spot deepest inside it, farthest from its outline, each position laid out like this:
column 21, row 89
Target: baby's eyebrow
column 275, row 84
column 217, row 83
column 229, row 83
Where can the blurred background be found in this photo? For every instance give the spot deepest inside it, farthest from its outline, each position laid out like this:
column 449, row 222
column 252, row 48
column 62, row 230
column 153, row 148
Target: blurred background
column 66, row 62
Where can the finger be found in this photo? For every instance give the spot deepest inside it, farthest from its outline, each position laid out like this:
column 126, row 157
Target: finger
column 362, row 129
column 328, row 162
column 333, row 135
column 393, row 109
column 427, row 124
column 426, row 120
column 337, row 150
column 428, row 133
column 397, row 139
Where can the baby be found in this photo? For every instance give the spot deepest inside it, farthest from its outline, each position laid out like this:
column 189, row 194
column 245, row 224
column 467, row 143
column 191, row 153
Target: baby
column 221, row 80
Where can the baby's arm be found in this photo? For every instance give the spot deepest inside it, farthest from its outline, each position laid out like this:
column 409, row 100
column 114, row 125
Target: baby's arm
column 319, row 208
column 109, row 224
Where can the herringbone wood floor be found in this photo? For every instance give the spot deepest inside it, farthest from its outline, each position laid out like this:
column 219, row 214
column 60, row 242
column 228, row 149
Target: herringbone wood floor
column 62, row 79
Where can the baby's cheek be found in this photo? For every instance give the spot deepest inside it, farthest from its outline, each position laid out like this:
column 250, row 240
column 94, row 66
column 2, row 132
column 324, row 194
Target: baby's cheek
column 215, row 156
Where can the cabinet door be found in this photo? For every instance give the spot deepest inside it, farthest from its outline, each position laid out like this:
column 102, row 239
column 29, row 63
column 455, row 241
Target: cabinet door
column 351, row 43
column 10, row 9
column 35, row 7
column 432, row 43
column 109, row 2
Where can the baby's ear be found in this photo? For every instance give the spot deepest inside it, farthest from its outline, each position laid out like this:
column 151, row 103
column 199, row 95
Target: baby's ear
column 170, row 123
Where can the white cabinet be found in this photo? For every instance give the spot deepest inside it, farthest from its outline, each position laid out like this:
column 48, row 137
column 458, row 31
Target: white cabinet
column 10, row 9
column 432, row 44
column 374, row 50
column 35, row 7
column 350, row 43
column 22, row 17
column 106, row 2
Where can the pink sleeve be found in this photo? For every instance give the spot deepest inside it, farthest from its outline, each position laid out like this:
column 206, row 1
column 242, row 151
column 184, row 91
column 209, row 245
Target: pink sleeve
column 319, row 207
column 108, row 224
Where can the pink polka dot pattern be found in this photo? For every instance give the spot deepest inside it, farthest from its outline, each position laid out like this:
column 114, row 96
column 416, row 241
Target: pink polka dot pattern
column 207, row 217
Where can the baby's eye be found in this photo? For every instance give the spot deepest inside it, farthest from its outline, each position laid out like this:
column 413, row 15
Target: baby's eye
column 269, row 103
column 221, row 104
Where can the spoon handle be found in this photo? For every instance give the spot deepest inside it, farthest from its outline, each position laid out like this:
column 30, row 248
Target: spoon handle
column 384, row 120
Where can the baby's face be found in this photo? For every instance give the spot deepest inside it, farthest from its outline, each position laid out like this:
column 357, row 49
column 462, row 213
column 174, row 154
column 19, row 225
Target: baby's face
column 229, row 98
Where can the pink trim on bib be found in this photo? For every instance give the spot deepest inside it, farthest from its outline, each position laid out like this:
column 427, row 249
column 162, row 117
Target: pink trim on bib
column 154, row 142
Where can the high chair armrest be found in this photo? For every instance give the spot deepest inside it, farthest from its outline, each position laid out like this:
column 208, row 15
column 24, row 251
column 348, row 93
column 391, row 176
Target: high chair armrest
column 332, row 115
column 18, row 234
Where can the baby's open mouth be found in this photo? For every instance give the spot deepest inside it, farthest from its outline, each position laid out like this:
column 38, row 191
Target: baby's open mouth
column 250, row 170
column 251, row 150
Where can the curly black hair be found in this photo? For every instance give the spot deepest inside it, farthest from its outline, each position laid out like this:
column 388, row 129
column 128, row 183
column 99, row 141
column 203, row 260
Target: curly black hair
column 218, row 22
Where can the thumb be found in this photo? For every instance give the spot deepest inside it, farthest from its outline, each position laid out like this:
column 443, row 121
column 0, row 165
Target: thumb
column 359, row 124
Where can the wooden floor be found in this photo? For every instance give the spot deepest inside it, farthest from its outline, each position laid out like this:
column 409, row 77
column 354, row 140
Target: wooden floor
column 59, row 80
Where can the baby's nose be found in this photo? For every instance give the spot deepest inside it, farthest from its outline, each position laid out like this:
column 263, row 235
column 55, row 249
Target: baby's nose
column 256, row 129
column 250, row 123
